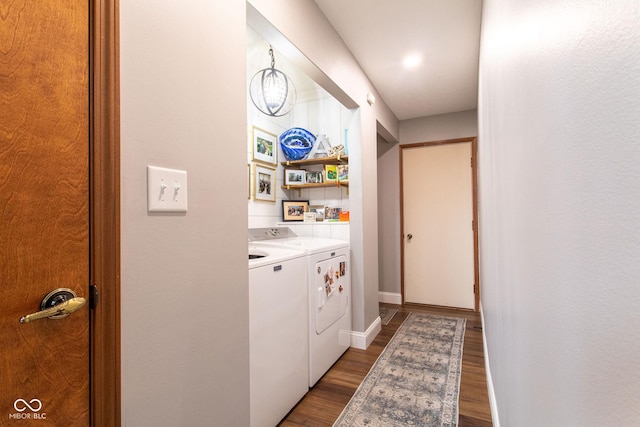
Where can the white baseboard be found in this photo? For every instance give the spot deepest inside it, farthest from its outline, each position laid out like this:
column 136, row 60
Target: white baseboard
column 492, row 395
column 390, row 297
column 361, row 340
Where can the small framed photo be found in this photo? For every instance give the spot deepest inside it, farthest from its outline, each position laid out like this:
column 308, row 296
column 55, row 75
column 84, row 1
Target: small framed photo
column 318, row 210
column 331, row 173
column 294, row 176
column 309, row 217
column 313, row 177
column 293, row 210
column 264, row 146
column 264, row 187
column 331, row 213
column 343, row 173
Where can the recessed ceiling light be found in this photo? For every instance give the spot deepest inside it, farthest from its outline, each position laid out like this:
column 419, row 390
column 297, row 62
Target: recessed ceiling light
column 412, row 60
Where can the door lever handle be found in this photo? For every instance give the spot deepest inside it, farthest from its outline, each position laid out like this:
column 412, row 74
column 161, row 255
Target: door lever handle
column 56, row 304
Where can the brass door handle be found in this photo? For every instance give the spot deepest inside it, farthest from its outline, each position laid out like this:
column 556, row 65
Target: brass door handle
column 57, row 304
column 409, row 237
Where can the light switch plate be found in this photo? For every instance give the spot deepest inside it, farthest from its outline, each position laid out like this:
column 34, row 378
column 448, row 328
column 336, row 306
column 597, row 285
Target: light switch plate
column 166, row 190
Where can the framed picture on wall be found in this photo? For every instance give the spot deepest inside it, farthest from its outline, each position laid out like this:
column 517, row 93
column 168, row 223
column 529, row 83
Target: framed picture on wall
column 264, row 146
column 264, row 187
column 293, row 210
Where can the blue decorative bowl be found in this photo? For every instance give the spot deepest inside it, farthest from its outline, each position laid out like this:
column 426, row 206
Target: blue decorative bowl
column 296, row 143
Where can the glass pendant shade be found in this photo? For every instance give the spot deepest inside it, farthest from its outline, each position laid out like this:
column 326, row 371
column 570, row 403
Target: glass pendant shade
column 272, row 91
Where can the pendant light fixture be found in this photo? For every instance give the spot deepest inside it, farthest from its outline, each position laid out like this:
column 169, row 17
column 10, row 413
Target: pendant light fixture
column 272, row 91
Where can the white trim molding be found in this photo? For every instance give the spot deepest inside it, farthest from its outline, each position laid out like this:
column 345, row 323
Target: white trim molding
column 390, row 297
column 492, row 395
column 361, row 340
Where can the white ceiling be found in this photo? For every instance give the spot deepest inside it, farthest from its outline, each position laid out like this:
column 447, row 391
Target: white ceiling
column 444, row 33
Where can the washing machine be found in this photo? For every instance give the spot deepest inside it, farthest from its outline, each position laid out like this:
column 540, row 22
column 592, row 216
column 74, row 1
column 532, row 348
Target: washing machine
column 278, row 354
column 329, row 294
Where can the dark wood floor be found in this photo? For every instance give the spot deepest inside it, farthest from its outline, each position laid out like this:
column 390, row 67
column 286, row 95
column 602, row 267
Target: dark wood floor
column 325, row 401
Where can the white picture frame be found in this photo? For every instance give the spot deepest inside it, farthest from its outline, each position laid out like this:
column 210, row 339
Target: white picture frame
column 264, row 183
column 294, row 176
column 264, row 146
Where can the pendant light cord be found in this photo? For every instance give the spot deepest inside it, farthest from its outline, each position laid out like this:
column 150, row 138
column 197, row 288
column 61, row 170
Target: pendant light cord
column 273, row 58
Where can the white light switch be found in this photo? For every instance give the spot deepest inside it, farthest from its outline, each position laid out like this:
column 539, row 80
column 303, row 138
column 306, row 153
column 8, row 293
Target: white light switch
column 166, row 190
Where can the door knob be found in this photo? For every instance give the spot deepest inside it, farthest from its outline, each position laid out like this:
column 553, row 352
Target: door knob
column 409, row 237
column 57, row 304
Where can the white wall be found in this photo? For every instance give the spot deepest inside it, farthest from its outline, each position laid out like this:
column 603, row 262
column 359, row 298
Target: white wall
column 559, row 171
column 302, row 26
column 184, row 291
column 434, row 128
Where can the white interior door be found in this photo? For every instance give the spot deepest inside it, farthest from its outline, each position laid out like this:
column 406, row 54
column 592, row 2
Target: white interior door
column 438, row 225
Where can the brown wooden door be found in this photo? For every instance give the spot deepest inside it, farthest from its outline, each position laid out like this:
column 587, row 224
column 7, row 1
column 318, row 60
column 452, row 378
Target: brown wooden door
column 44, row 200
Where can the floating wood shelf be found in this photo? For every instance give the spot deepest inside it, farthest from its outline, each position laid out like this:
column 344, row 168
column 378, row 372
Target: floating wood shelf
column 337, row 160
column 319, row 185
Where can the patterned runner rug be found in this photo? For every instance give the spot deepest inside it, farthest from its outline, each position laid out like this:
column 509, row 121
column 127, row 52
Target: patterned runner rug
column 416, row 379
column 386, row 314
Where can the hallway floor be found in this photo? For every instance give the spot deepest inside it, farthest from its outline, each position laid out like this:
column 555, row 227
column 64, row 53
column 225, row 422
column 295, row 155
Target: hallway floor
column 325, row 401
